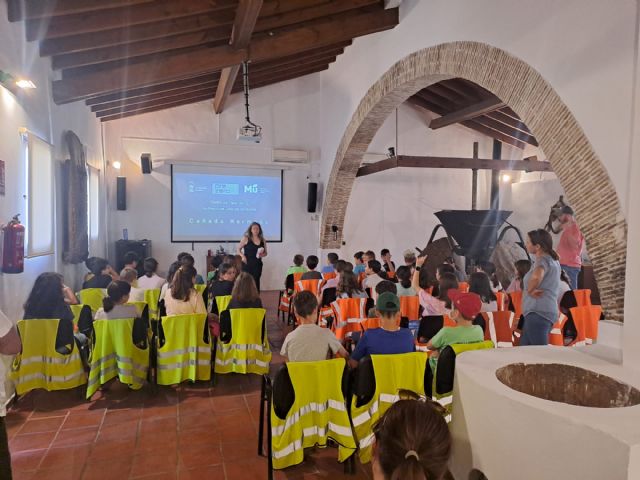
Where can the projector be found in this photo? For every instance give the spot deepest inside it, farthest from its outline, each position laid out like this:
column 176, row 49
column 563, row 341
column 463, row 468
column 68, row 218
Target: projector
column 249, row 134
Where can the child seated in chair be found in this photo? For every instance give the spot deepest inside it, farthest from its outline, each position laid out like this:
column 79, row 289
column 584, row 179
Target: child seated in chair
column 464, row 309
column 311, row 273
column 309, row 342
column 390, row 338
column 297, row 266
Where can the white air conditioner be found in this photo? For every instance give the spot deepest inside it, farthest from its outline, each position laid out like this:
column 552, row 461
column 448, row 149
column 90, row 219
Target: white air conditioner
column 290, row 157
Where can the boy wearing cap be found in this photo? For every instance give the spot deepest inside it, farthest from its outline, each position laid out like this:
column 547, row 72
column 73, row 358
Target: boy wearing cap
column 464, row 309
column 387, row 339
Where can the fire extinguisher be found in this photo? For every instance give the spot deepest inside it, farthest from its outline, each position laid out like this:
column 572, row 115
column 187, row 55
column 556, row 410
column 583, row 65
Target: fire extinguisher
column 13, row 246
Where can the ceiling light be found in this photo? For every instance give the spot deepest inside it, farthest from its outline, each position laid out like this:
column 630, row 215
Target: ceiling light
column 506, row 178
column 25, row 84
column 117, row 165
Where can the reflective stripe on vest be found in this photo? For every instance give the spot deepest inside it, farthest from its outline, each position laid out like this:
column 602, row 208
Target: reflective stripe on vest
column 392, row 373
column 245, row 352
column 317, row 414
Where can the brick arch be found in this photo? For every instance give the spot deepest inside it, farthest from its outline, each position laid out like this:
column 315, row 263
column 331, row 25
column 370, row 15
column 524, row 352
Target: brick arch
column 580, row 171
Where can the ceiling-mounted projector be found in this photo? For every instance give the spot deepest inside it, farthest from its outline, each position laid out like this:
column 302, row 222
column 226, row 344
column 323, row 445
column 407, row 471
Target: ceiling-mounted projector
column 249, row 134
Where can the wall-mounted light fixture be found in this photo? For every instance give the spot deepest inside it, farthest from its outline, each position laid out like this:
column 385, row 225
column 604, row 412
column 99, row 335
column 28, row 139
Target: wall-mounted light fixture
column 116, row 165
column 10, row 82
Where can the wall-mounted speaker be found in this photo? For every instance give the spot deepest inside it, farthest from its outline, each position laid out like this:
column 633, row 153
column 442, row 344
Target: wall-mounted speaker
column 312, row 197
column 121, row 193
column 145, row 163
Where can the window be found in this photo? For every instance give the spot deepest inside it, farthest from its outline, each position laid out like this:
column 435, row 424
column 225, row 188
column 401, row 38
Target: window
column 39, row 223
column 93, row 212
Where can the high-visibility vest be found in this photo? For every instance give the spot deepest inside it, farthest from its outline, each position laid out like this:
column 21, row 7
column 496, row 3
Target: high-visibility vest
column 516, row 303
column 445, row 398
column 586, row 320
column 40, row 365
column 76, row 310
column 318, row 413
column 499, row 327
column 185, row 355
column 501, row 300
column 349, row 312
column 140, row 306
column 556, row 335
column 152, row 298
column 312, row 286
column 115, row 354
column 583, row 297
column 393, row 373
column 463, row 287
column 93, row 297
column 410, row 307
column 200, row 287
column 246, row 352
column 222, row 302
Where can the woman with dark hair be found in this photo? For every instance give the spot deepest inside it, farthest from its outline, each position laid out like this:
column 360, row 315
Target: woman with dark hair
column 412, row 442
column 253, row 248
column 114, row 305
column 522, row 267
column 103, row 274
column 480, row 284
column 150, row 280
column 187, row 259
column 490, row 269
column 541, row 286
column 348, row 286
column 182, row 298
column 50, row 298
column 173, row 268
column 245, row 293
column 404, row 288
column 431, row 305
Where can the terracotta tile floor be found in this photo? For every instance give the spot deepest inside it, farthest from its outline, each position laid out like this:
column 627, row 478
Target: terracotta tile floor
column 188, row 432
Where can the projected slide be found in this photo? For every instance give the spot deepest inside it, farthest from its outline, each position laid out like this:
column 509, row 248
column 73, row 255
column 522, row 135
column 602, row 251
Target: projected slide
column 218, row 204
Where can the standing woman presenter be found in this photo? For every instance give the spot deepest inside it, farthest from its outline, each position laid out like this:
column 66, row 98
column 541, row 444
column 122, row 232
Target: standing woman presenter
column 253, row 248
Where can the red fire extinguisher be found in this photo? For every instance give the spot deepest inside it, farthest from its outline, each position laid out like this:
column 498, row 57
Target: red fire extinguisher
column 13, row 246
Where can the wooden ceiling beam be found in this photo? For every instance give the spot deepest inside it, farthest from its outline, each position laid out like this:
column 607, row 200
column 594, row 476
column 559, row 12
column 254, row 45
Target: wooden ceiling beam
column 243, row 25
column 30, row 9
column 297, row 40
column 89, row 22
column 504, row 129
column 459, row 87
column 517, row 124
column 196, row 99
column 467, row 113
column 407, row 161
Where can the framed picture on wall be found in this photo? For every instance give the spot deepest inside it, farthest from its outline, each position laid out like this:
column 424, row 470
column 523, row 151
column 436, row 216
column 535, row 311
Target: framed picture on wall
column 2, row 177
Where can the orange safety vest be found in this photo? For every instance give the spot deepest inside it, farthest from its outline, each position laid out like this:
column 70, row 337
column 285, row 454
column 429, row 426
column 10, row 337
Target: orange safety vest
column 586, row 320
column 348, row 313
column 410, row 307
column 556, row 337
column 499, row 328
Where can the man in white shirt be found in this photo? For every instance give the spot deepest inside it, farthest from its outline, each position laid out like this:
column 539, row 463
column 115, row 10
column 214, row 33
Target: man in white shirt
column 9, row 345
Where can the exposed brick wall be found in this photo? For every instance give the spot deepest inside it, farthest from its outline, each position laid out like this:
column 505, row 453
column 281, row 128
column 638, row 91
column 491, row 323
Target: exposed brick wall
column 581, row 173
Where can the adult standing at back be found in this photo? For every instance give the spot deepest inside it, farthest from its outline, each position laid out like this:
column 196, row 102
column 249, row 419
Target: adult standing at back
column 570, row 246
column 540, row 294
column 253, row 248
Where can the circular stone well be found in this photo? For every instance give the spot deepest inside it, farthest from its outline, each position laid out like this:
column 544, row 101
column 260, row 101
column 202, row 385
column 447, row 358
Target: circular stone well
column 568, row 384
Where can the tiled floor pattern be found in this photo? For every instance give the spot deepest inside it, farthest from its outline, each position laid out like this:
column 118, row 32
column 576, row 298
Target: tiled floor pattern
column 188, row 432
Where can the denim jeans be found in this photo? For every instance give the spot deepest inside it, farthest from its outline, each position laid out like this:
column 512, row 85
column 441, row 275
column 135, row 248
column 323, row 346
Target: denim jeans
column 572, row 273
column 536, row 330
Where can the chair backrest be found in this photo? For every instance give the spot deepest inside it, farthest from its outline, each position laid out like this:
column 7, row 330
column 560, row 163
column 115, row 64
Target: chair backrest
column 115, row 354
column 297, row 277
column 429, row 326
column 40, row 365
column 516, row 303
column 410, row 307
column 309, row 407
column 501, row 301
column 92, row 297
column 445, row 370
column 328, row 275
column 463, row 286
column 369, row 323
column 288, row 282
column 312, row 286
column 499, row 328
column 586, row 319
column 248, row 349
column 200, row 287
column 222, row 302
column 449, row 322
column 348, row 313
column 583, row 297
column 361, row 277
column 186, row 352
column 152, row 297
column 556, row 336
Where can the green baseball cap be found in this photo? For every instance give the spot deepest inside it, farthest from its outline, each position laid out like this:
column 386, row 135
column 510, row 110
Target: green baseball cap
column 388, row 302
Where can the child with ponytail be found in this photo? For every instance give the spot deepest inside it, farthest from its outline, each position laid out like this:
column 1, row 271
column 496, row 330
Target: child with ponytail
column 412, row 442
column 114, row 305
column 182, row 298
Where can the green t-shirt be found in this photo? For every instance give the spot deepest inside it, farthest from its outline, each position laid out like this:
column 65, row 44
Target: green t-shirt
column 450, row 335
column 294, row 269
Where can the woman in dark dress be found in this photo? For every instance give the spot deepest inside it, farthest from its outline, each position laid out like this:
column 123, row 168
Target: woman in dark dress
column 253, row 248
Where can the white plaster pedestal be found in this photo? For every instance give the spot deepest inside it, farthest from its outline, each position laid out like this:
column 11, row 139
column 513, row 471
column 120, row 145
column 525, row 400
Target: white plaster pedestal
column 510, row 435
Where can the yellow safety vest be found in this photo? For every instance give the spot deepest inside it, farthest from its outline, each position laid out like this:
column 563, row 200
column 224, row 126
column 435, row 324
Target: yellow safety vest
column 152, row 297
column 76, row 310
column 318, row 413
column 92, row 297
column 393, row 373
column 114, row 354
column 185, row 355
column 222, row 302
column 246, row 352
column 40, row 365
column 200, row 287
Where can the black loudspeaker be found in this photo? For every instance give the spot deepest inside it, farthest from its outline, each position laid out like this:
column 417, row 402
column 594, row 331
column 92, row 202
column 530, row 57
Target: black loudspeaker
column 312, row 197
column 140, row 247
column 121, row 193
column 145, row 163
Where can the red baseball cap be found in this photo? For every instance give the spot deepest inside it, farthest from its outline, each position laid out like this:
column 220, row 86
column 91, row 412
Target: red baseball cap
column 468, row 304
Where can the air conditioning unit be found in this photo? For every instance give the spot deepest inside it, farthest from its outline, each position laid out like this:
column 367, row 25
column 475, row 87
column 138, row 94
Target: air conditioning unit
column 290, row 157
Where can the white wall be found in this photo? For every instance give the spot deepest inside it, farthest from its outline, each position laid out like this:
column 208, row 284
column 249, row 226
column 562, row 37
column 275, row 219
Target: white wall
column 288, row 113
column 35, row 111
